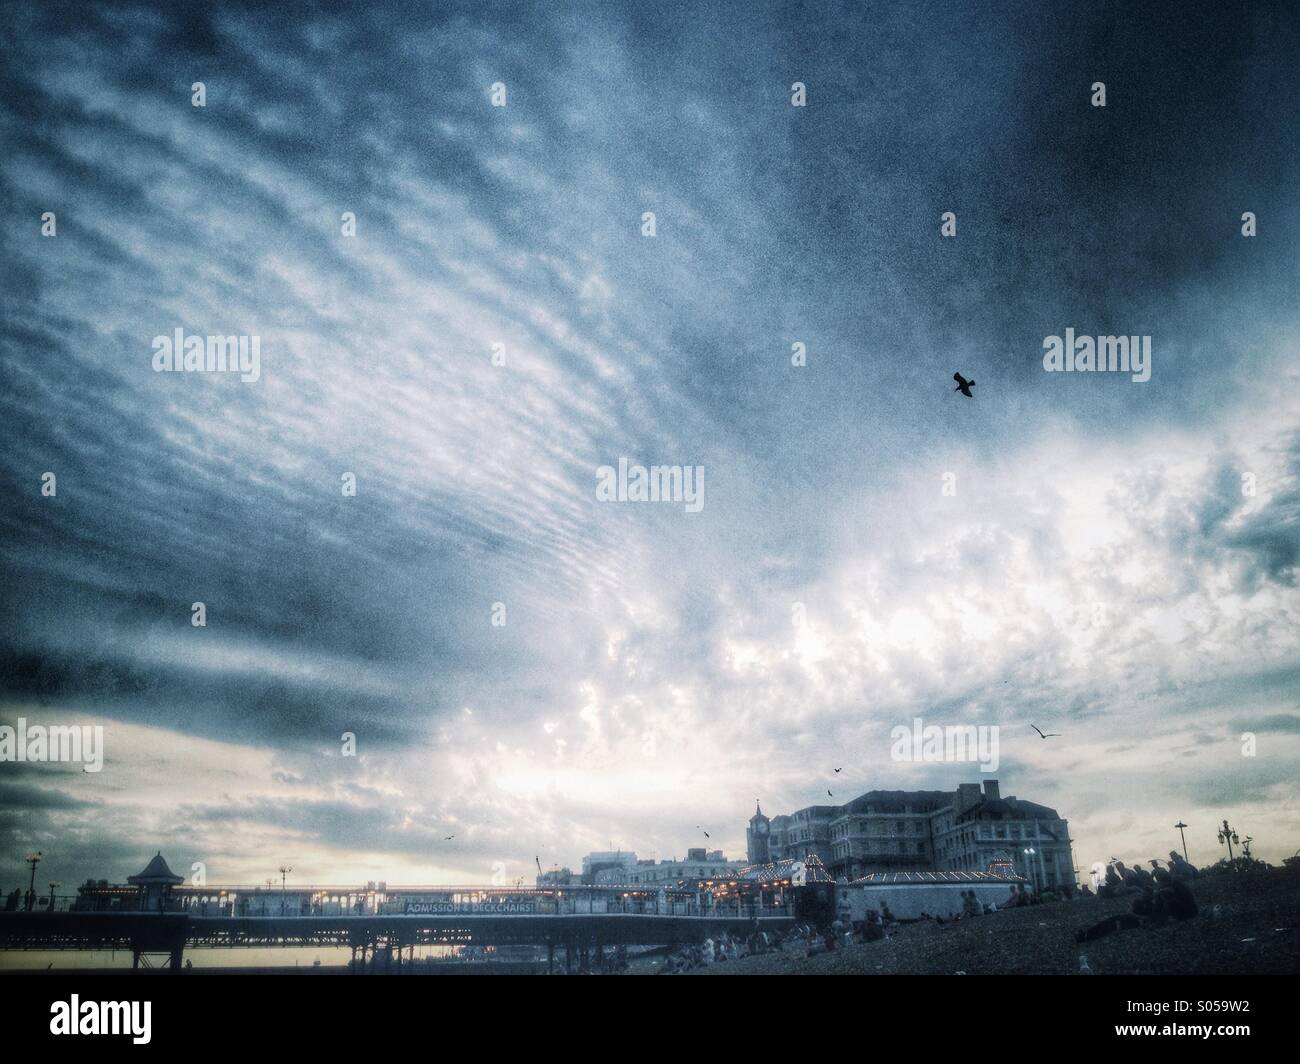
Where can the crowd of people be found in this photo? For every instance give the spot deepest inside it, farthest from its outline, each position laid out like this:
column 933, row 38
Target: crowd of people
column 1120, row 880
column 1158, row 896
column 1161, row 895
column 802, row 940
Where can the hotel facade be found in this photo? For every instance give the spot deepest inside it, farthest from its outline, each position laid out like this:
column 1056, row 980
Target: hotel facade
column 966, row 830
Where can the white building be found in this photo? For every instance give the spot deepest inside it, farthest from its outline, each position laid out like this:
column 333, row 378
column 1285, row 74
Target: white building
column 927, row 831
column 699, row 865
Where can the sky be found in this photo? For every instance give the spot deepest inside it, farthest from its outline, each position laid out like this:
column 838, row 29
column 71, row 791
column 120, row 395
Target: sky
column 1113, row 561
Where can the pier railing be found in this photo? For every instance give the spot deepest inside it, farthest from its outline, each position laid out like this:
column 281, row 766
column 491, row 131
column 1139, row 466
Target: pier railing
column 241, row 902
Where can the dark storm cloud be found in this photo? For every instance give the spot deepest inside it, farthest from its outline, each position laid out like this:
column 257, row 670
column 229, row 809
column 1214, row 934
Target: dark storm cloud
column 16, row 797
column 367, row 822
column 1278, row 722
column 1265, row 781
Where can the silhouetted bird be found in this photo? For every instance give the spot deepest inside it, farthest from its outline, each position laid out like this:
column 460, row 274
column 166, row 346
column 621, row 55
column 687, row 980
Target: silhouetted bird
column 1049, row 735
column 839, row 770
column 698, row 828
column 449, row 838
column 963, row 385
column 828, row 792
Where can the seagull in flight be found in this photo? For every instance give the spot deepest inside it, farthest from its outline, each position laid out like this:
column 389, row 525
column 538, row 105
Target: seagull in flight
column 828, row 793
column 963, row 385
column 706, row 834
column 449, row 838
column 1049, row 735
column 839, row 770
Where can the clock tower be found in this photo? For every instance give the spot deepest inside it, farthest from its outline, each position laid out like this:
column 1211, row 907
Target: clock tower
column 758, row 844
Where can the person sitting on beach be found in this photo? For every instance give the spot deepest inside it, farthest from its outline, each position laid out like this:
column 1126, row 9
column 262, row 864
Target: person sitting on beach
column 970, row 905
column 1017, row 899
column 886, row 917
column 1130, row 879
column 1174, row 896
column 1171, row 898
column 1181, row 868
column 1113, row 886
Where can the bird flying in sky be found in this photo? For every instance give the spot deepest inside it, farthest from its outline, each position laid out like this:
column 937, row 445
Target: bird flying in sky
column 1040, row 732
column 963, row 385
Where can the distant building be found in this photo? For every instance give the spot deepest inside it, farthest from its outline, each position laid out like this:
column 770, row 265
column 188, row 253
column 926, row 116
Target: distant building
column 557, row 877
column 758, row 837
column 602, row 860
column 927, row 831
column 806, row 832
column 700, row 865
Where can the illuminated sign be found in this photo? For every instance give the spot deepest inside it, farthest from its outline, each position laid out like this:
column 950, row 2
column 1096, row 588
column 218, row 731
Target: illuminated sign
column 503, row 907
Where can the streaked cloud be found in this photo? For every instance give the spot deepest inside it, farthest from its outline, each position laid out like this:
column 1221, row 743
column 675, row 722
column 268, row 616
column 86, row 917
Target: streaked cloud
column 649, row 677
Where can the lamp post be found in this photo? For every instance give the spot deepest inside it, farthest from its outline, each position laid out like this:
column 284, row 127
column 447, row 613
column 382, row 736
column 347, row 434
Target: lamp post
column 53, row 887
column 1029, row 866
column 284, row 875
column 1182, row 830
column 32, row 859
column 1245, row 845
column 1228, row 836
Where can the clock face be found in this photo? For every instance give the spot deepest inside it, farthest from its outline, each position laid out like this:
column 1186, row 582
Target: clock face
column 762, row 828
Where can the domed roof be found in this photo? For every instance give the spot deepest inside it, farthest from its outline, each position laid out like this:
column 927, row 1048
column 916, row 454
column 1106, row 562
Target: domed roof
column 156, row 871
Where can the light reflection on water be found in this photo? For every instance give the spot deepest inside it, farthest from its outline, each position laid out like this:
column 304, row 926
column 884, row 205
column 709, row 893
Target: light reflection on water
column 329, row 956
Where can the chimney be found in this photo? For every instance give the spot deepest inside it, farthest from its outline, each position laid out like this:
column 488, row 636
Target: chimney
column 991, row 790
column 968, row 794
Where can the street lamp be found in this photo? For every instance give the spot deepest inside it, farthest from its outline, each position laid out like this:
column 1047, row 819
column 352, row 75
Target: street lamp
column 1182, row 830
column 32, row 859
column 1246, row 845
column 53, row 887
column 1228, row 836
column 1029, row 866
column 284, row 874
